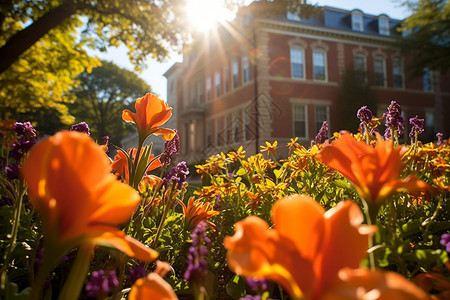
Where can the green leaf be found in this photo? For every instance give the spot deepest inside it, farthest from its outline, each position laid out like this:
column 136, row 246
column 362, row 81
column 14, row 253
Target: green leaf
column 236, row 287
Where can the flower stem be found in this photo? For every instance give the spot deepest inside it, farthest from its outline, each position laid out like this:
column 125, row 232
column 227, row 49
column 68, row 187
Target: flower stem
column 14, row 231
column 77, row 275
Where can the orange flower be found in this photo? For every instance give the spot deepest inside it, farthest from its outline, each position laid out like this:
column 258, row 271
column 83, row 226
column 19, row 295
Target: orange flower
column 270, row 148
column 197, row 211
column 365, row 284
column 374, row 171
column 120, row 163
column 80, row 202
column 153, row 286
column 151, row 113
column 306, row 251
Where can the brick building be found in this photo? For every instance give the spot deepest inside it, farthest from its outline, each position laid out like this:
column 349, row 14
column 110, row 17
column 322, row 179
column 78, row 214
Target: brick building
column 276, row 77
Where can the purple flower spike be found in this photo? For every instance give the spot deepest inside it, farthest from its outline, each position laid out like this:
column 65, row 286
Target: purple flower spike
column 81, row 127
column 445, row 241
column 322, row 135
column 171, row 148
column 394, row 119
column 440, row 141
column 101, row 283
column 364, row 114
column 197, row 265
column 13, row 171
column 25, row 129
column 417, row 125
column 137, row 272
column 177, row 175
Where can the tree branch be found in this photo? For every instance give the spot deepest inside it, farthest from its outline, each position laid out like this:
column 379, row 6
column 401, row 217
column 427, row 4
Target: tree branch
column 27, row 37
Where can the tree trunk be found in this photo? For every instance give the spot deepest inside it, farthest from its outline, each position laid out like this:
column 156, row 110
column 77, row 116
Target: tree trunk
column 26, row 38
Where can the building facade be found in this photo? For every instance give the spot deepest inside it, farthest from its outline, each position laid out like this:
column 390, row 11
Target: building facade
column 279, row 76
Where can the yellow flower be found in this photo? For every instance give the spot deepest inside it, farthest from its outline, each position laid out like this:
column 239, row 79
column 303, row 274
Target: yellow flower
column 80, row 201
column 270, row 148
column 151, row 113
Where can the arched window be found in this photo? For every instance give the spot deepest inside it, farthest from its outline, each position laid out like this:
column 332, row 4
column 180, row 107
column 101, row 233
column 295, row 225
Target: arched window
column 383, row 25
column 297, row 62
column 357, row 20
column 320, row 64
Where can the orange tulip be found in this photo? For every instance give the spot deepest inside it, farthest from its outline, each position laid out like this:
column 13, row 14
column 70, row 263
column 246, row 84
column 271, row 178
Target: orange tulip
column 151, row 113
column 120, row 163
column 306, row 249
column 365, row 284
column 80, row 202
column 374, row 171
column 153, row 286
column 197, row 211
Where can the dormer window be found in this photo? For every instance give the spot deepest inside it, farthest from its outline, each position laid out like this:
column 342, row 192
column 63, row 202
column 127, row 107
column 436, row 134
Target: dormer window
column 357, row 20
column 293, row 15
column 383, row 25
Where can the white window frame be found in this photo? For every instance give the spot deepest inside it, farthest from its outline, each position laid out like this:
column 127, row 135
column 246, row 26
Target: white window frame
column 397, row 70
column 200, row 91
column 217, row 83
column 293, row 16
column 208, row 89
column 304, row 107
column 427, row 79
column 245, row 69
column 317, row 123
column 235, row 72
column 357, row 20
column 383, row 25
column 297, row 57
column 325, row 73
column 379, row 58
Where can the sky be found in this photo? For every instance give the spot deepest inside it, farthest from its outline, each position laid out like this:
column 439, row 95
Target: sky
column 153, row 74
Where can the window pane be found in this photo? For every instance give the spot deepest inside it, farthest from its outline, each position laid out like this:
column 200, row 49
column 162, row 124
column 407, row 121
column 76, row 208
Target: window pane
column 426, row 78
column 245, row 69
column 319, row 65
column 217, row 82
column 379, row 70
column 300, row 121
column 297, row 63
column 235, row 67
column 397, row 70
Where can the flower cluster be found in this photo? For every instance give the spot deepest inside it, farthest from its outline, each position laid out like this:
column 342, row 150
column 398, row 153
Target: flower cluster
column 27, row 138
column 417, row 126
column 197, row 265
column 177, row 175
column 322, row 135
column 394, row 120
column 101, row 283
column 81, row 127
column 171, row 148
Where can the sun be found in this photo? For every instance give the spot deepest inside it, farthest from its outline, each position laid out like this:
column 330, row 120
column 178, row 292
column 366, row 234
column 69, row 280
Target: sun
column 204, row 15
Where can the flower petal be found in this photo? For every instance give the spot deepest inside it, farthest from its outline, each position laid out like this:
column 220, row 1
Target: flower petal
column 366, row 284
column 112, row 237
column 259, row 252
column 301, row 219
column 152, row 286
column 344, row 244
column 168, row 134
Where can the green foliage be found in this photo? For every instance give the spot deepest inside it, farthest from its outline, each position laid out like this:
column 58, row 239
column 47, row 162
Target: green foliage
column 44, row 75
column 101, row 97
column 427, row 35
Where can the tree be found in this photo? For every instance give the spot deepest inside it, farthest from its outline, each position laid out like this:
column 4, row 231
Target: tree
column 145, row 27
column 43, row 75
column 427, row 35
column 353, row 94
column 101, row 97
